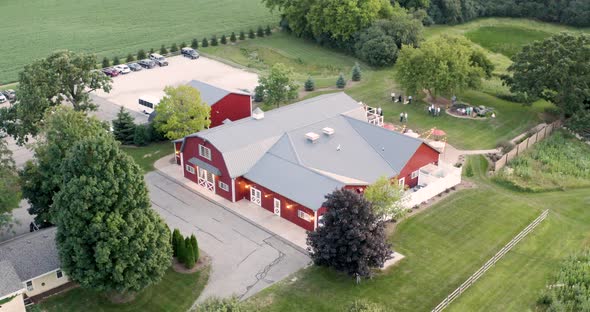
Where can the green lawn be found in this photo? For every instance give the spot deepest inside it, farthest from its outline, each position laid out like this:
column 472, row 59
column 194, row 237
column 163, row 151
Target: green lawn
column 445, row 244
column 32, row 29
column 507, row 40
column 146, row 156
column 176, row 292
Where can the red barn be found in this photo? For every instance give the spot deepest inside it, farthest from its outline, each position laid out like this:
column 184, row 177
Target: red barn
column 225, row 104
column 287, row 159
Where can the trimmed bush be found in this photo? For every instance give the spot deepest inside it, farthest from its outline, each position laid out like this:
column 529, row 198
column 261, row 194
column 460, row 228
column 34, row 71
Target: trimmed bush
column 251, row 34
column 242, row 35
column 141, row 54
column 364, row 306
column 106, row 62
column 183, row 45
column 468, row 171
column 309, row 84
column 505, row 146
column 232, row 37
column 116, row 60
column 189, row 260
column 181, row 250
column 176, row 237
column 163, row 50
column 356, row 72
column 340, row 83
column 215, row 304
column 154, row 134
column 205, row 43
column 259, row 93
column 141, row 136
column 174, row 48
column 260, row 32
column 195, row 246
column 268, row 31
column 214, row 42
column 195, row 44
column 223, row 39
column 152, row 51
column 130, row 58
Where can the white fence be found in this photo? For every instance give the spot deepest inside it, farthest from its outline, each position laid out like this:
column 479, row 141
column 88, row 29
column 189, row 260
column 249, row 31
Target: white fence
column 434, row 185
column 473, row 278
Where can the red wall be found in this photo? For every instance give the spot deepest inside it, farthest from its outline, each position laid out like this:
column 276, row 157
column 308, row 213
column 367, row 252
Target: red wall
column 423, row 156
column 177, row 146
column 191, row 149
column 232, row 106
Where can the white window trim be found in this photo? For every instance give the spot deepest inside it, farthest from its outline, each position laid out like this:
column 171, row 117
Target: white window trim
column 29, row 288
column 415, row 174
column 223, row 186
column 402, row 182
column 190, row 169
column 303, row 215
column 204, row 152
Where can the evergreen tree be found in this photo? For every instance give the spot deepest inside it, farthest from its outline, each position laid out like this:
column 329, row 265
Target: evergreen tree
column 195, row 44
column 223, row 39
column 176, row 237
column 259, row 94
column 189, row 261
column 268, row 31
column 106, row 63
column 124, row 127
column 141, row 54
column 195, row 247
column 214, row 42
column 340, row 83
column 232, row 37
column 174, row 48
column 183, row 45
column 205, row 43
column 356, row 72
column 163, row 50
column 141, row 136
column 181, row 250
column 130, row 58
column 251, row 34
column 109, row 238
column 242, row 35
column 309, row 84
column 152, row 51
column 260, row 31
column 116, row 60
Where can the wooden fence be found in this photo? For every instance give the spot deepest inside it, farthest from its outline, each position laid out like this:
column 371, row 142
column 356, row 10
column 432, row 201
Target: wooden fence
column 473, row 278
column 524, row 145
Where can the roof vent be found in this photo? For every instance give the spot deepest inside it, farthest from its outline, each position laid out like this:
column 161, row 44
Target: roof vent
column 258, row 114
column 328, row 131
column 312, row 136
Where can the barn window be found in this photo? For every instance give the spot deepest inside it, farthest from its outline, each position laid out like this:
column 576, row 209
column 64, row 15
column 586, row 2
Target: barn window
column 59, row 274
column 204, row 152
column 190, row 169
column 30, row 286
column 223, row 186
column 402, row 182
column 303, row 215
column 415, row 174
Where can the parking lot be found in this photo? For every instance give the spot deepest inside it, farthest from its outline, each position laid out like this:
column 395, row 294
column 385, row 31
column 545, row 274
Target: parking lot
column 128, row 88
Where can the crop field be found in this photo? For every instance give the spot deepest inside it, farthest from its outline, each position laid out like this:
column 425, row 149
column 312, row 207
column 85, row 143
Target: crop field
column 34, row 28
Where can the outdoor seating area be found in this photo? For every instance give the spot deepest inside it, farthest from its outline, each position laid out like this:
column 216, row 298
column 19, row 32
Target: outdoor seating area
column 433, row 180
column 468, row 111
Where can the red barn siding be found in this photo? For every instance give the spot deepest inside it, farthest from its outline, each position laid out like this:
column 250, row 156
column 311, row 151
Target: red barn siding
column 423, row 156
column 233, row 107
column 177, row 146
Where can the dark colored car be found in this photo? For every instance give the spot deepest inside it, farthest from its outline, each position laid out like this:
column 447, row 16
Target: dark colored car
column 147, row 63
column 9, row 94
column 111, row 72
column 134, row 66
column 190, row 53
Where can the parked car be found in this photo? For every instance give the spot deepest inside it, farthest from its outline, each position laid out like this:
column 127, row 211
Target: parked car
column 111, row 72
column 2, row 98
column 123, row 69
column 134, row 67
column 9, row 94
column 190, row 53
column 147, row 63
column 160, row 60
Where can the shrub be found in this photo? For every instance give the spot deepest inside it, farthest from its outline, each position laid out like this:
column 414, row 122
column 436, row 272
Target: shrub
column 220, row 305
column 260, row 32
column 154, row 134
column 568, row 289
column 468, row 171
column 195, row 44
column 242, row 35
column 152, row 50
column 214, row 42
column 181, row 250
column 183, row 45
column 223, row 39
column 189, row 260
column 364, row 306
column 141, row 54
column 205, row 43
column 163, row 50
column 106, row 62
column 174, row 48
column 176, row 237
column 356, row 72
column 268, row 31
column 259, row 93
column 141, row 135
column 251, row 34
column 232, row 37
column 130, row 58
column 505, row 146
column 195, row 246
column 309, row 84
column 124, row 127
column 116, row 60
column 340, row 83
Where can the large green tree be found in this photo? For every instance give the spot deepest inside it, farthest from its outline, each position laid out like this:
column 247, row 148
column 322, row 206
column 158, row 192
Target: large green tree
column 62, row 77
column 124, row 127
column 279, row 85
column 556, row 69
column 181, row 112
column 109, row 239
column 9, row 185
column 41, row 178
column 441, row 66
column 387, row 198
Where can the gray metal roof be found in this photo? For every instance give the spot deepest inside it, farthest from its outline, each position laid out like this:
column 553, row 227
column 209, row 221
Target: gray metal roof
column 9, row 280
column 32, row 254
column 209, row 94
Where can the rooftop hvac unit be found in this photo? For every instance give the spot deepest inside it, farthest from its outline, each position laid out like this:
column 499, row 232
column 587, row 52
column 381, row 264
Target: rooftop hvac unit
column 328, row 131
column 312, row 136
column 258, row 114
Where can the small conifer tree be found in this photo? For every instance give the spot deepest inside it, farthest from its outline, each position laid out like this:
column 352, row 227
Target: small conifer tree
column 163, row 50
column 189, row 261
column 259, row 93
column 340, row 83
column 175, row 238
column 195, row 247
column 152, row 51
column 309, row 84
column 195, row 44
column 268, row 31
column 174, row 47
column 181, row 250
column 141, row 54
column 251, row 34
column 106, row 63
column 260, row 32
column 130, row 58
column 183, row 45
column 223, row 39
column 232, row 37
column 205, row 43
column 214, row 42
column 356, row 72
column 242, row 35
column 116, row 60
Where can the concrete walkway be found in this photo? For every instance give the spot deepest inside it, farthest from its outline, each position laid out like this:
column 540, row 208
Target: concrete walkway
column 452, row 155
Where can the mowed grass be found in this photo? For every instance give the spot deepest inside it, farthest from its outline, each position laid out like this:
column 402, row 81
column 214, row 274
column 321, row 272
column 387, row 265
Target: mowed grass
column 146, row 156
column 34, row 28
column 445, row 244
column 507, row 40
column 175, row 293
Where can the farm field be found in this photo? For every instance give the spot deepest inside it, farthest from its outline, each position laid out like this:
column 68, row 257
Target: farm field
column 33, row 29
column 445, row 244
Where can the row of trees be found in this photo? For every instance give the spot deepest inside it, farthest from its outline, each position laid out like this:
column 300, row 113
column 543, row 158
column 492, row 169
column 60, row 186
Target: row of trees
column 185, row 249
column 127, row 132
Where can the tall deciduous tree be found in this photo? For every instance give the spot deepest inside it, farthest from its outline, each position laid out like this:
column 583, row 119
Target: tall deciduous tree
column 109, row 238
column 279, row 85
column 440, row 66
column 556, row 69
column 387, row 198
column 41, row 178
column 181, row 112
column 63, row 76
column 352, row 238
column 124, row 127
column 9, row 185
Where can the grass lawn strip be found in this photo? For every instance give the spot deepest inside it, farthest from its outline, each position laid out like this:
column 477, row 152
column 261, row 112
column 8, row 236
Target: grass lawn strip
column 146, row 156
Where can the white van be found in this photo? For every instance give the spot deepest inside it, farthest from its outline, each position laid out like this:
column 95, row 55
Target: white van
column 148, row 103
column 160, row 60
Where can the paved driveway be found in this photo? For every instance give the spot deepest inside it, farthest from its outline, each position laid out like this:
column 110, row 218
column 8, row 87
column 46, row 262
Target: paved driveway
column 245, row 257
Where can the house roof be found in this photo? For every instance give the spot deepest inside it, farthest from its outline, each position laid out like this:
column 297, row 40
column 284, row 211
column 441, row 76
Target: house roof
column 33, row 254
column 211, row 94
column 9, row 280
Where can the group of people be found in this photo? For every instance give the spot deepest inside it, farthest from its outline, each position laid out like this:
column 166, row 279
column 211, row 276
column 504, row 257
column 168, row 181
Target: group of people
column 403, row 117
column 401, row 99
column 379, row 111
column 434, row 111
column 468, row 111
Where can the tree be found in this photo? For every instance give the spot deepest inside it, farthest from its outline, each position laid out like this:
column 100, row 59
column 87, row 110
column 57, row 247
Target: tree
column 181, row 112
column 130, row 58
column 176, row 237
column 152, row 51
column 242, row 35
column 352, row 239
column 251, row 34
column 181, row 250
column 259, row 94
column 387, row 199
column 9, row 185
column 174, row 48
column 141, row 54
column 267, row 30
column 141, row 135
column 195, row 44
column 189, row 260
column 556, row 69
column 260, row 31
column 183, row 45
column 309, row 84
column 205, row 43
column 106, row 62
column 223, row 39
column 108, row 238
column 63, row 76
column 341, row 82
column 116, row 60
column 479, row 59
column 376, row 48
column 163, row 50
column 232, row 37
column 195, row 246
column 441, row 66
column 279, row 85
column 214, row 42
column 356, row 72
column 124, row 127
column 42, row 178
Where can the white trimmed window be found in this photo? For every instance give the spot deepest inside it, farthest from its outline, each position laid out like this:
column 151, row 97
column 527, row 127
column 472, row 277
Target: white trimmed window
column 30, row 286
column 190, row 169
column 415, row 174
column 59, row 274
column 303, row 215
column 402, row 182
column 204, row 152
column 223, row 186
